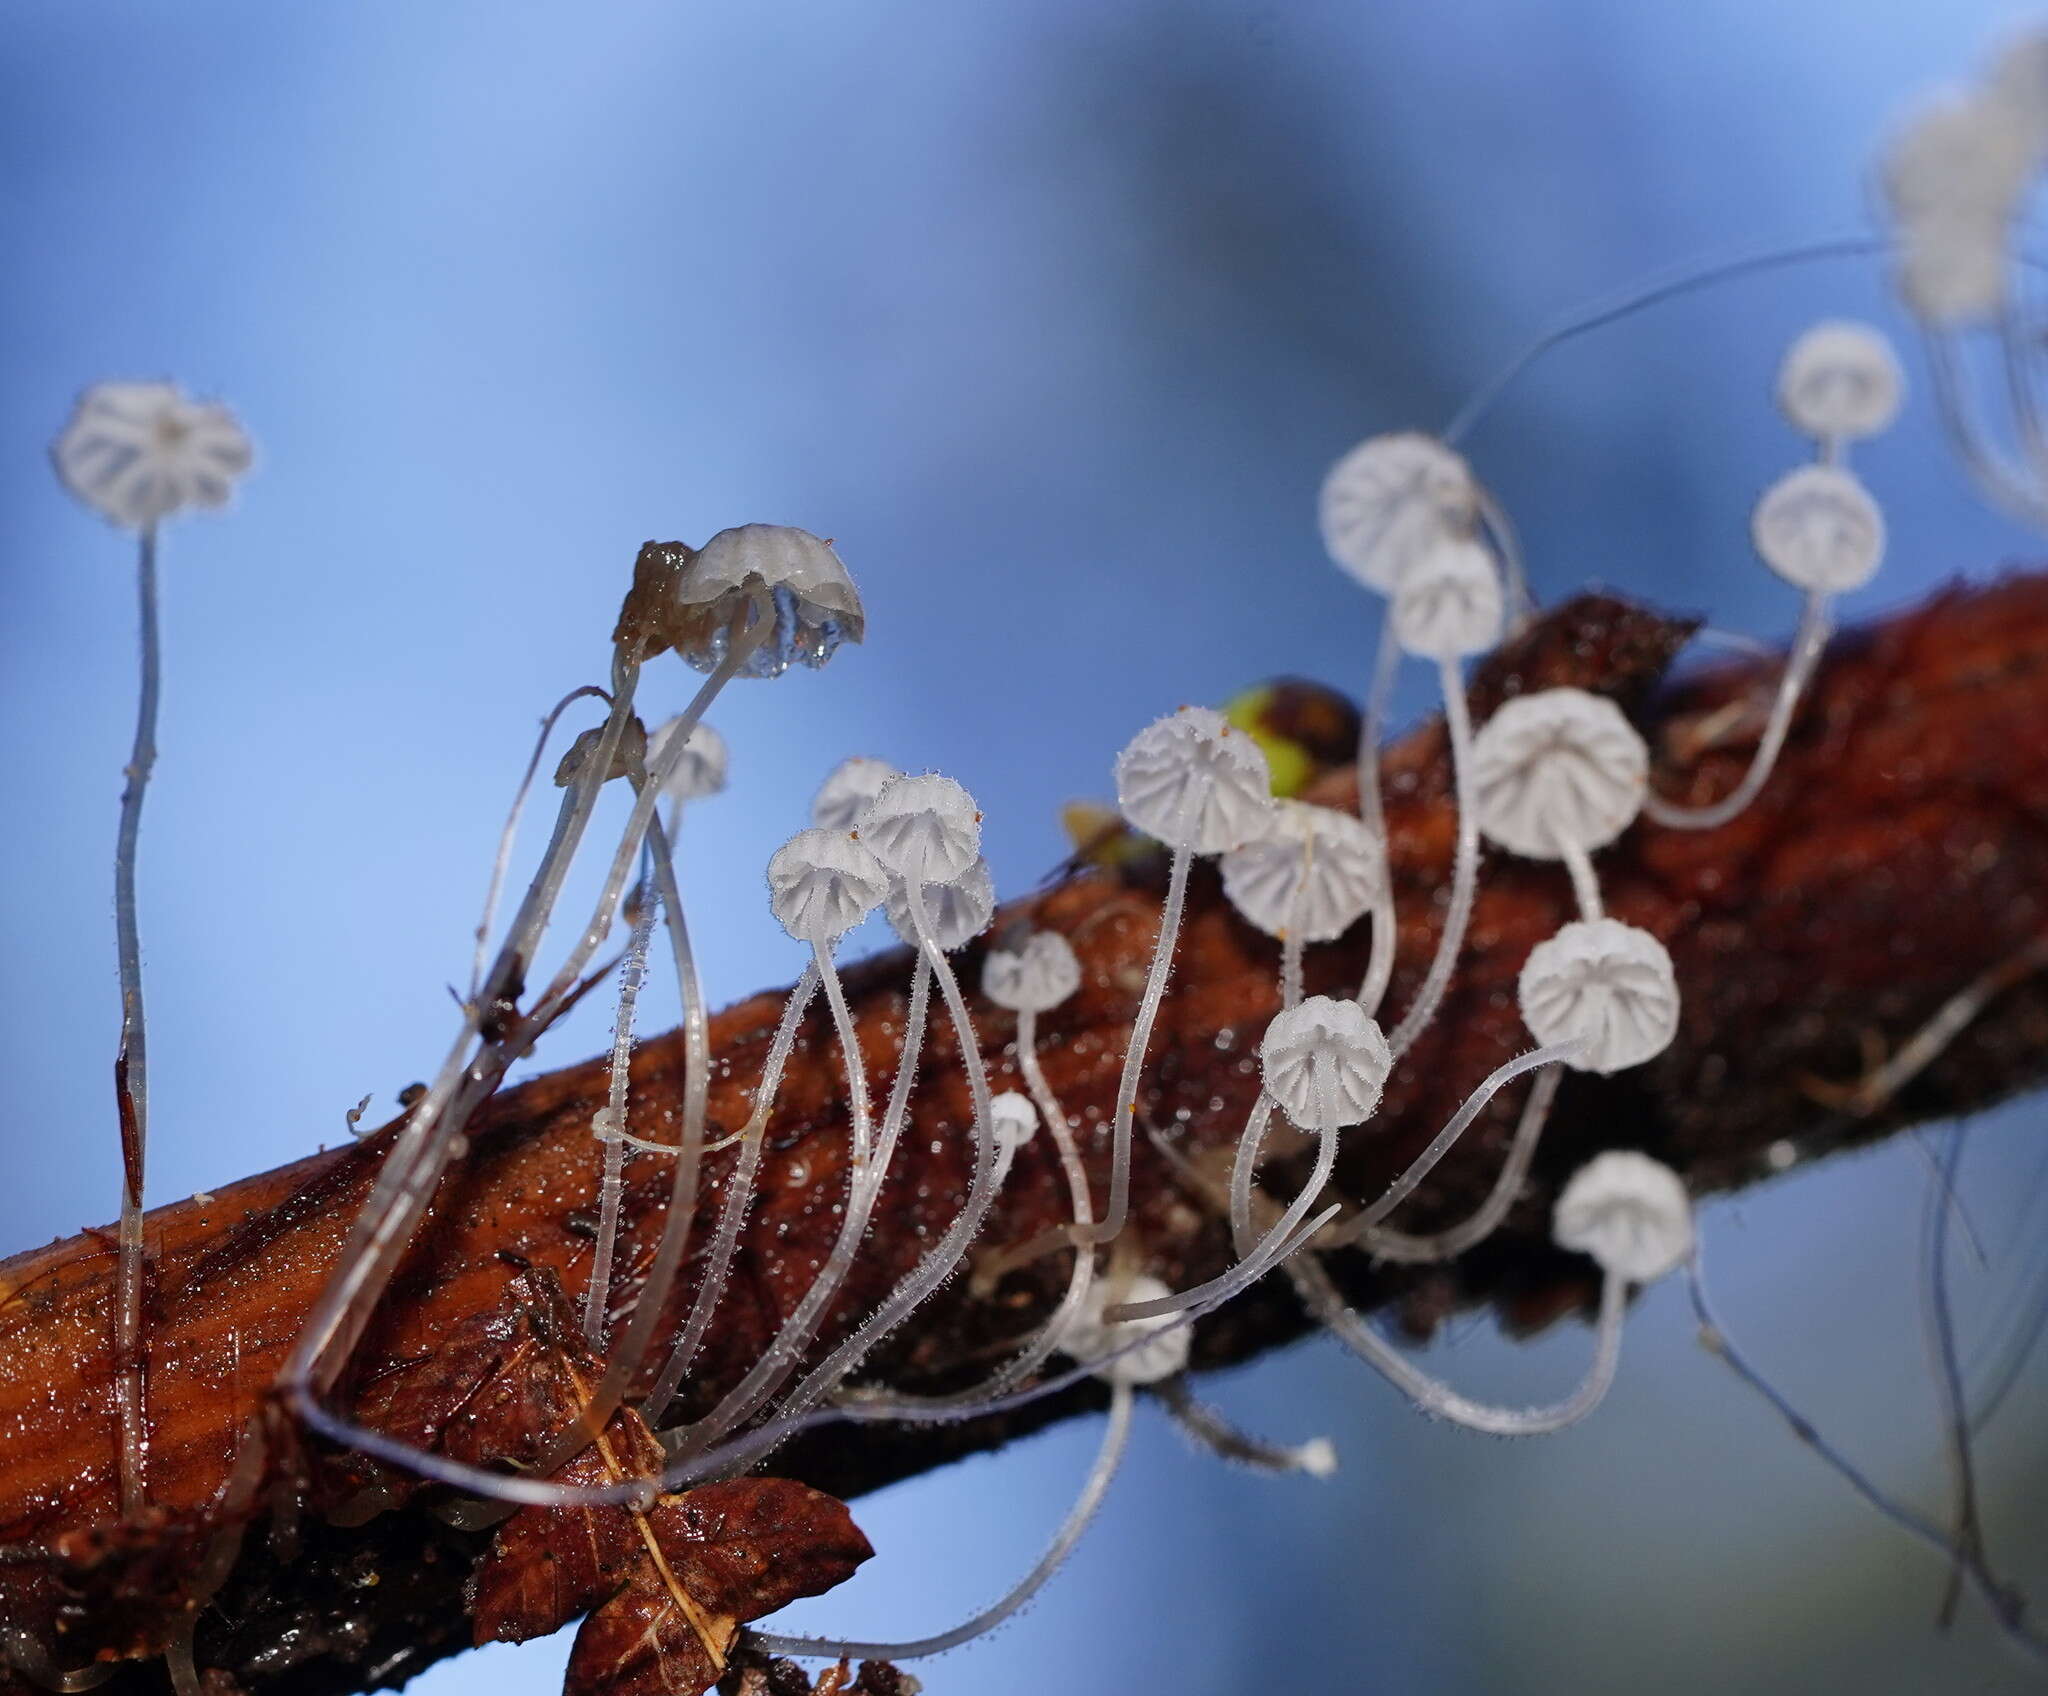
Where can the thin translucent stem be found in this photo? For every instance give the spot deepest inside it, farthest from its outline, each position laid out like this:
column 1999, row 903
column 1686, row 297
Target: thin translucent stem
column 1464, row 870
column 1808, row 644
column 1507, row 548
column 2019, row 388
column 1119, row 1207
column 406, row 1182
column 131, row 1062
column 1424, row 1163
column 849, row 1046
column 1372, row 812
column 1243, row 1164
column 632, row 972
column 508, row 836
column 951, row 1248
column 1080, row 1277
column 1447, row 1244
column 1687, row 280
column 1099, row 1477
column 2006, row 484
column 1208, row 1427
column 739, row 1197
column 867, row 1167
column 1286, row 1238
column 1585, row 881
column 1439, row 1400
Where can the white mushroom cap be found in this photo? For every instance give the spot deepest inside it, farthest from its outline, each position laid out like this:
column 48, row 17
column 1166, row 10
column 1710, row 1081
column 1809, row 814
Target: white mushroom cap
column 1629, row 1212
column 1325, row 1063
column 789, row 575
column 1965, row 155
column 1555, row 767
column 1034, row 978
column 1195, row 782
column 924, row 829
column 957, row 910
column 1390, row 497
column 848, row 788
column 1165, row 1351
column 1605, row 984
column 1840, row 381
column 821, row 883
column 1315, row 869
column 1954, row 179
column 1013, row 1118
column 137, row 453
column 1819, row 529
column 1448, row 604
column 700, row 770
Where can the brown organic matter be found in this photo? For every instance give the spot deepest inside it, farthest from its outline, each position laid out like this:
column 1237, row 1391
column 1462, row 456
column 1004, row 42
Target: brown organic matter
column 1897, row 856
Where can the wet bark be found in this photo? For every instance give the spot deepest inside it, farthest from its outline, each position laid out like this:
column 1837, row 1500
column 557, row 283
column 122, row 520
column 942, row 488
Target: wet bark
column 1897, row 856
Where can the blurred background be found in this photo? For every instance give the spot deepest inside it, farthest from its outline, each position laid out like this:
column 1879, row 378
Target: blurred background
column 1053, row 314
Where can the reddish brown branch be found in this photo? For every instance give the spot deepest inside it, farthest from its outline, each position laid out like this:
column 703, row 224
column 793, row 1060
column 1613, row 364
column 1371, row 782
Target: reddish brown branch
column 1898, row 855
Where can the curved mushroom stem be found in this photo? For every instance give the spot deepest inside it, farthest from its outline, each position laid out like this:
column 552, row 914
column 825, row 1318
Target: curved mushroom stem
column 1815, row 627
column 1507, row 548
column 1355, row 1228
column 1317, row 1457
column 406, row 1182
column 1119, row 1207
column 739, row 1196
column 1372, row 812
column 1242, row 1166
column 131, row 1062
column 1464, row 870
column 1042, row 1342
column 1078, row 1518
column 1454, row 1240
column 652, row 1301
column 632, row 973
column 1441, row 1401
column 509, row 835
column 2020, row 390
column 1585, row 881
column 2009, row 486
column 870, row 1163
column 948, row 1252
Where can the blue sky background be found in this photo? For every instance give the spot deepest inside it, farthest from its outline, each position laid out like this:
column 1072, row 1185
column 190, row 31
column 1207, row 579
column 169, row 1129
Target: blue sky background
column 1053, row 314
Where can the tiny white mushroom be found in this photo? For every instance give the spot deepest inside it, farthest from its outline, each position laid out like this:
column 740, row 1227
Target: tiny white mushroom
column 1448, row 604
column 1557, row 769
column 821, row 883
column 847, row 790
column 1313, row 873
column 1819, row 529
column 138, row 453
column 1390, row 497
column 1034, row 977
column 924, row 829
column 1325, row 1063
column 1163, row 1350
column 1840, row 382
column 1015, row 1119
column 700, row 768
column 764, row 571
column 1195, row 782
column 1606, row 985
column 1629, row 1212
column 957, row 910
